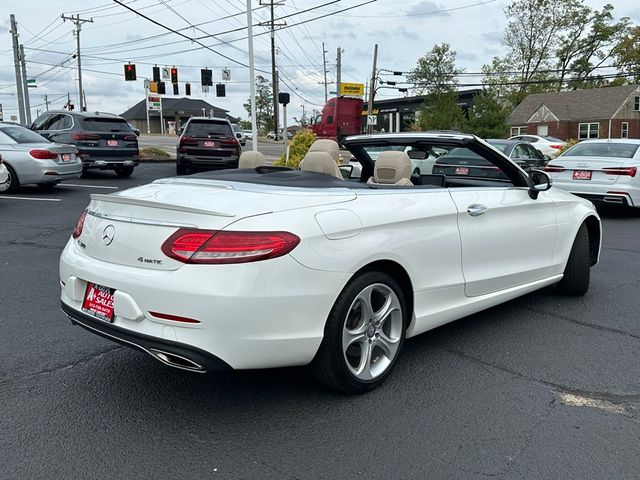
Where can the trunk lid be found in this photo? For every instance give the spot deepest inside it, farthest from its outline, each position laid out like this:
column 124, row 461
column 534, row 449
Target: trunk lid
column 129, row 227
column 591, row 166
column 66, row 153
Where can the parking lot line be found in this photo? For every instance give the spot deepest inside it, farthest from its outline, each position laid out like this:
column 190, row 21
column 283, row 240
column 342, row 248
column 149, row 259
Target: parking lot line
column 87, row 186
column 7, row 197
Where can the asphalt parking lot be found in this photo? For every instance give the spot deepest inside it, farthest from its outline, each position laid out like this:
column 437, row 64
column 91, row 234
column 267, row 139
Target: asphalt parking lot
column 541, row 387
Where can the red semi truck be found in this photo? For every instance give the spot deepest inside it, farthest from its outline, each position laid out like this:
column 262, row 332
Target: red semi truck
column 341, row 117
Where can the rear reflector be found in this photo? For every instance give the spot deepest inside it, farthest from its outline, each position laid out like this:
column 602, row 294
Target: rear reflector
column 79, row 225
column 224, row 247
column 175, row 318
column 627, row 171
column 554, row 168
column 43, row 154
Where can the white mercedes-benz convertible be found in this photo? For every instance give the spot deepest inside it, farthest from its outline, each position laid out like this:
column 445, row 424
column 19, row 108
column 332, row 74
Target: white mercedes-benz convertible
column 262, row 267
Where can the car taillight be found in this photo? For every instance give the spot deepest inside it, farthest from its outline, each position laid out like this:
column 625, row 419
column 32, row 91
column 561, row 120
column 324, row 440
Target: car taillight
column 79, row 225
column 43, row 154
column 188, row 141
column 130, row 138
column 557, row 147
column 554, row 168
column 627, row 171
column 85, row 136
column 223, row 247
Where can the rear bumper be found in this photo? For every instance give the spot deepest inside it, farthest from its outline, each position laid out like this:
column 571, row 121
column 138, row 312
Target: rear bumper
column 109, row 162
column 207, row 163
column 197, row 360
column 624, row 194
column 48, row 171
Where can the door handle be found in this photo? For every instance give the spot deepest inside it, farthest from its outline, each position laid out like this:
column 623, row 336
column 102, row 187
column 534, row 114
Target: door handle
column 476, row 209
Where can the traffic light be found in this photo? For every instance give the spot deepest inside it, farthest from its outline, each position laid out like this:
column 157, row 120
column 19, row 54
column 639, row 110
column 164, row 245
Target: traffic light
column 220, row 90
column 153, row 87
column 206, row 77
column 175, row 89
column 187, row 89
column 283, row 98
column 156, row 74
column 161, row 89
column 174, row 75
column 130, row 72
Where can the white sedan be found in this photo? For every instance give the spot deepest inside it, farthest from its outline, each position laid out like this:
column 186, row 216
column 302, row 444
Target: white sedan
column 4, row 177
column 547, row 145
column 604, row 171
column 266, row 267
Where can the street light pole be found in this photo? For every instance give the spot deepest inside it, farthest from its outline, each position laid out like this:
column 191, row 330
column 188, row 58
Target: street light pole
column 252, row 81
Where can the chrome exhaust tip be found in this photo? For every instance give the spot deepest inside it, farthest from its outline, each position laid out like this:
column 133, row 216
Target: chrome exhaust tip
column 613, row 199
column 176, row 361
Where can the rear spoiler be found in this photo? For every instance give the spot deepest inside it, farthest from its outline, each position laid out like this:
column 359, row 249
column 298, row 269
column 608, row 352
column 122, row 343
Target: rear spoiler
column 148, row 203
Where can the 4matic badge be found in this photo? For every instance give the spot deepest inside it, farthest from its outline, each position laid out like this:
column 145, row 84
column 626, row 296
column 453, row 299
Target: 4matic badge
column 152, row 261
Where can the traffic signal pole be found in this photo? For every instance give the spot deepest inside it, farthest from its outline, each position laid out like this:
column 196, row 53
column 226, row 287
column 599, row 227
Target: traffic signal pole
column 252, row 81
column 78, row 21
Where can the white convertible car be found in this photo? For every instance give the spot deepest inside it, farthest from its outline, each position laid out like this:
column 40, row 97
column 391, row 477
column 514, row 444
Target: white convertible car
column 264, row 267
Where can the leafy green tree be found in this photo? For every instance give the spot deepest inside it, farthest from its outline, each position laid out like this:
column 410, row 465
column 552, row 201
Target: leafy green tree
column 264, row 105
column 627, row 54
column 435, row 71
column 298, row 148
column 441, row 112
column 488, row 116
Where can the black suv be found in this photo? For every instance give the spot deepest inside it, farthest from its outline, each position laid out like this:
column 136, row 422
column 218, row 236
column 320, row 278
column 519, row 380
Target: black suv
column 206, row 144
column 104, row 140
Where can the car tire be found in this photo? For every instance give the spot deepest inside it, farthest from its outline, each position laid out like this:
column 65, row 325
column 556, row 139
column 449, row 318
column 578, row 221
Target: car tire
column 357, row 353
column 124, row 172
column 12, row 185
column 181, row 170
column 575, row 281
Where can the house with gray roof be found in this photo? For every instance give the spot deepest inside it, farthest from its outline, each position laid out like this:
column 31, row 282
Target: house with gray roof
column 175, row 113
column 610, row 112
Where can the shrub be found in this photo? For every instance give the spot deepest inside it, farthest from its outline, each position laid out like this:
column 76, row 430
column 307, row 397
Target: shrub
column 298, row 148
column 570, row 143
column 153, row 152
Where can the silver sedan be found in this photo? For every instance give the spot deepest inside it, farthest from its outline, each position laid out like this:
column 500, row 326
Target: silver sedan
column 30, row 158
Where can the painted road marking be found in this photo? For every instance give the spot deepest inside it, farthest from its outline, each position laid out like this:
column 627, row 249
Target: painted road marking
column 31, row 198
column 87, row 186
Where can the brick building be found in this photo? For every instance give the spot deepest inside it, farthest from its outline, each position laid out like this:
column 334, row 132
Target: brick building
column 612, row 112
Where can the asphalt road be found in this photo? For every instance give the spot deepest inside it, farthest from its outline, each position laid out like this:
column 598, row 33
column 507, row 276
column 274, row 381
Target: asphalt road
column 542, row 387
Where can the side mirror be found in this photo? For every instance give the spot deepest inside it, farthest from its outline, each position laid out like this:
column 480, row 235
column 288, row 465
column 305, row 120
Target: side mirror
column 539, row 181
column 238, row 135
column 179, row 131
column 417, row 154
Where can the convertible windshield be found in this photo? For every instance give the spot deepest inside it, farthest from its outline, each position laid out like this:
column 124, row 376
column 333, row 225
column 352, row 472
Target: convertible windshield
column 614, row 150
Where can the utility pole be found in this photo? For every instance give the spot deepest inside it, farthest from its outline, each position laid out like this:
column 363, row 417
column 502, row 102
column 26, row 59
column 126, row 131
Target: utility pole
column 338, row 69
column 324, row 69
column 78, row 21
column 372, row 87
column 46, row 102
column 274, row 73
column 252, row 81
column 16, row 63
column 25, row 87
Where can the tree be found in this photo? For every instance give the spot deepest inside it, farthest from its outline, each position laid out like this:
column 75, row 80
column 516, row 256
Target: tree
column 441, row 112
column 488, row 116
column 435, row 71
column 627, row 54
column 264, row 105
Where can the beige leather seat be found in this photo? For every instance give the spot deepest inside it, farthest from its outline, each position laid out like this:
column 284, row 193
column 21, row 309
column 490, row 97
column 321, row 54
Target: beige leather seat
column 251, row 159
column 320, row 162
column 326, row 145
column 392, row 168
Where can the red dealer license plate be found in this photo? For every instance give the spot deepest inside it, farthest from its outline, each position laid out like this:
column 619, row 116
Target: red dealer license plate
column 98, row 302
column 66, row 157
column 462, row 170
column 209, row 144
column 582, row 174
column 112, row 143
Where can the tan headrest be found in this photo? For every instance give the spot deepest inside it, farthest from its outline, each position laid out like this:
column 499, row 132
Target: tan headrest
column 392, row 167
column 326, row 145
column 251, row 159
column 320, row 162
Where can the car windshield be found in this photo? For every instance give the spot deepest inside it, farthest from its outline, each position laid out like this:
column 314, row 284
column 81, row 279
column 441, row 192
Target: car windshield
column 105, row 125
column 502, row 146
column 614, row 150
column 552, row 139
column 235, row 127
column 200, row 128
column 22, row 135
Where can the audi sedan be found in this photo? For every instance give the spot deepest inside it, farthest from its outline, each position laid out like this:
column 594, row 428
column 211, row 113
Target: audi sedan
column 267, row 267
column 603, row 171
column 32, row 159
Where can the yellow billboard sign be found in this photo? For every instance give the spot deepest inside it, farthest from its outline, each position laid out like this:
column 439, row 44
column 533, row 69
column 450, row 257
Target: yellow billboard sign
column 356, row 89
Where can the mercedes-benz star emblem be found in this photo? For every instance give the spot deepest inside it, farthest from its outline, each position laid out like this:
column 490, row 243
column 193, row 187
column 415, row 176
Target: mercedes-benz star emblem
column 108, row 234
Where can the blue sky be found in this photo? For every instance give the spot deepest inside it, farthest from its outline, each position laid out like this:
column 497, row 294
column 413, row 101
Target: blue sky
column 403, row 30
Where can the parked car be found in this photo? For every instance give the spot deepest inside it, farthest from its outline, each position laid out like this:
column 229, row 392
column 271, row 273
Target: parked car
column 604, row 171
column 522, row 153
column 547, row 145
column 206, row 143
column 272, row 135
column 239, row 134
column 4, row 177
column 248, row 134
column 134, row 129
column 104, row 141
column 32, row 159
column 262, row 268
